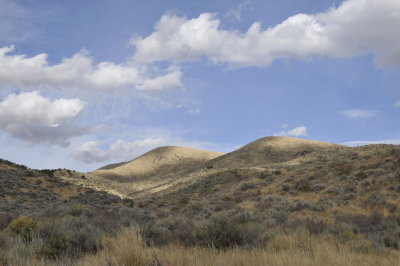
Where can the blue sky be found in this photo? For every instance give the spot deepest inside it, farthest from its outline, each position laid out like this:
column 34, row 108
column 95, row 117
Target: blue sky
column 87, row 83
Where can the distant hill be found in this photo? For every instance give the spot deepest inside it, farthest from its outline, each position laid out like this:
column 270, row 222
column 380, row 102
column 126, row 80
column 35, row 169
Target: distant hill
column 270, row 150
column 166, row 167
column 159, row 161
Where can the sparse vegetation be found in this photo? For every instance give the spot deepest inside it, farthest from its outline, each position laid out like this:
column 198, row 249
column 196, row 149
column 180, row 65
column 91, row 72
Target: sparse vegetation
column 332, row 207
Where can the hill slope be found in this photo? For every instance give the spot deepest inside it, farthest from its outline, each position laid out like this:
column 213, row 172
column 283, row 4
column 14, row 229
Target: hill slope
column 246, row 198
column 269, row 150
column 159, row 161
column 166, row 167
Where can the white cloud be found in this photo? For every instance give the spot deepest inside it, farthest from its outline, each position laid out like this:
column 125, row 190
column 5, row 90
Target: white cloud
column 168, row 81
column 80, row 71
column 95, row 152
column 90, row 152
column 14, row 22
column 238, row 10
column 367, row 142
column 356, row 27
column 359, row 113
column 34, row 119
column 295, row 132
column 397, row 104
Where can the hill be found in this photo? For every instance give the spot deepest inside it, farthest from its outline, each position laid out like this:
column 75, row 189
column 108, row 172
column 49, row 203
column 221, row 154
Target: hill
column 166, row 167
column 155, row 170
column 274, row 196
column 159, row 161
column 269, row 150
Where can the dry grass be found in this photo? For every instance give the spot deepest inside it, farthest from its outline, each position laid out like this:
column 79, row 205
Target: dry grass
column 150, row 162
column 348, row 199
column 271, row 150
column 126, row 249
column 296, row 249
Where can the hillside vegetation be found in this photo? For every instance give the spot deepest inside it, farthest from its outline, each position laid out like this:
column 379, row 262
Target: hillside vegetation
column 275, row 201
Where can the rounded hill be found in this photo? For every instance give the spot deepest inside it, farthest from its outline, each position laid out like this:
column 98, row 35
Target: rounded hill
column 267, row 150
column 158, row 161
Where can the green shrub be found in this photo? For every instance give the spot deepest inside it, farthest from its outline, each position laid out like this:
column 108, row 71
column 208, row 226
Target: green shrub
column 23, row 226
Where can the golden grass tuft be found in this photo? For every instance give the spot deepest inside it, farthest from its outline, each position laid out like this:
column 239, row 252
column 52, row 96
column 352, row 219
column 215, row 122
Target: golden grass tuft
column 126, row 249
column 298, row 249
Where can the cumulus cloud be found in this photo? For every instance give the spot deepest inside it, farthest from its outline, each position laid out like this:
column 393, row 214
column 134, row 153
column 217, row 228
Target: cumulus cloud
column 96, row 152
column 397, row 104
column 80, row 71
column 359, row 113
column 356, row 27
column 295, row 132
column 34, row 118
column 91, row 152
column 367, row 142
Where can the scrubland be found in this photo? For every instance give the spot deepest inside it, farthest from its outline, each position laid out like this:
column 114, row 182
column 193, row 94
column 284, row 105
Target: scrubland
column 336, row 206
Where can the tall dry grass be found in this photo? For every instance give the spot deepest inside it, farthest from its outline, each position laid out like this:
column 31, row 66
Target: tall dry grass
column 298, row 249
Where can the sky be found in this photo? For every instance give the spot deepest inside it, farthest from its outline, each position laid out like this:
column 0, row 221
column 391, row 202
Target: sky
column 88, row 83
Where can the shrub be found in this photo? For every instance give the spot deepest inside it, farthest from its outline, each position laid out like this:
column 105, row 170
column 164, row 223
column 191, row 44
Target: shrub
column 361, row 175
column 315, row 226
column 184, row 200
column 246, row 186
column 348, row 196
column 5, row 220
column 285, row 188
column 76, row 210
column 264, row 175
column 23, row 226
column 344, row 169
column 304, row 185
column 375, row 200
column 300, row 204
column 54, row 248
column 334, row 190
column 391, row 241
column 223, row 233
column 318, row 187
column 348, row 236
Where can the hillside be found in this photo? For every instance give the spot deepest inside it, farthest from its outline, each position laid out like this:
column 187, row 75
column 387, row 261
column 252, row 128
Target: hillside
column 269, row 150
column 42, row 215
column 159, row 161
column 168, row 167
column 273, row 195
column 155, row 170
column 25, row 191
